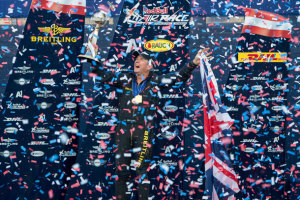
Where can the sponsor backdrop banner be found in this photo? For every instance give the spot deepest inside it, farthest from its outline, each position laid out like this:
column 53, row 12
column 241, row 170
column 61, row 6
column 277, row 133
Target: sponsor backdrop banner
column 39, row 120
column 256, row 92
column 161, row 28
column 40, row 103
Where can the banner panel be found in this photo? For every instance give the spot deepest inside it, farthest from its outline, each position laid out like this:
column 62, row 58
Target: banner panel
column 39, row 119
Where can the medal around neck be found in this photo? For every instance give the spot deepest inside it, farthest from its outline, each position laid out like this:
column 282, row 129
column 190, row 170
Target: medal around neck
column 137, row 99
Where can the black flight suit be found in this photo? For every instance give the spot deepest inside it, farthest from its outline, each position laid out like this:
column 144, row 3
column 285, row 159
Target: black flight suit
column 134, row 132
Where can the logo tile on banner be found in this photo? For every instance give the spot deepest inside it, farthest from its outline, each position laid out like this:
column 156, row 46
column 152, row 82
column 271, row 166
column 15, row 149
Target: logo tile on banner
column 159, row 45
column 157, row 17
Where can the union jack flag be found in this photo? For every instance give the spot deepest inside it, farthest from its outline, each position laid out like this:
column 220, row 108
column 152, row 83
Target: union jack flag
column 221, row 181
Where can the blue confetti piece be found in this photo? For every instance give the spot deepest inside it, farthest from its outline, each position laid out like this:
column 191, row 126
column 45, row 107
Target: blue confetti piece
column 23, row 148
column 52, row 141
column 53, row 158
column 60, row 105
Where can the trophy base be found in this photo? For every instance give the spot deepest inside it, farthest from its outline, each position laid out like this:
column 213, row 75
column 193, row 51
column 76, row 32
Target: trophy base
column 88, row 58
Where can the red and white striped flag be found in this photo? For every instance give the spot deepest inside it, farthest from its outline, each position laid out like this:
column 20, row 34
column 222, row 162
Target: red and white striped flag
column 266, row 24
column 64, row 6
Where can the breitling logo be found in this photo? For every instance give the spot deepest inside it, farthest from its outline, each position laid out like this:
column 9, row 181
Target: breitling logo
column 55, row 36
column 54, row 29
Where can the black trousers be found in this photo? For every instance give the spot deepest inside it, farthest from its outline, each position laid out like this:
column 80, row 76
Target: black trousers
column 134, row 143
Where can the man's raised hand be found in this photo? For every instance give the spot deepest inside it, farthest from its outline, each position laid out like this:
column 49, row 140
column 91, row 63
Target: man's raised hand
column 196, row 60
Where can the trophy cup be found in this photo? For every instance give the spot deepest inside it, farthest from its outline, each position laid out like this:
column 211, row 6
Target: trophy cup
column 100, row 18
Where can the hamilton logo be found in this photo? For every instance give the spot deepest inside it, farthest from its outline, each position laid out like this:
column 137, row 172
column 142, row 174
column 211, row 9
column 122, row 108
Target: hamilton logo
column 54, row 29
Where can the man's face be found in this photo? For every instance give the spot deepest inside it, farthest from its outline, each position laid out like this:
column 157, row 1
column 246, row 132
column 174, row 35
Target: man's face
column 141, row 65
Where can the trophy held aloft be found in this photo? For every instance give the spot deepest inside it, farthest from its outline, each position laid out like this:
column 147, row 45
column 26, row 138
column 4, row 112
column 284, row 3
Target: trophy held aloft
column 100, row 18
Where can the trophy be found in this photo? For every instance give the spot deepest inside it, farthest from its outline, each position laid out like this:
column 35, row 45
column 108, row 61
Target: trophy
column 100, row 18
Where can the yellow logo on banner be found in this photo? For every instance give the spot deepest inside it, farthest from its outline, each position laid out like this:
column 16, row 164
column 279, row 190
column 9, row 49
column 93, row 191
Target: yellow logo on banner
column 262, row 57
column 54, row 29
column 159, row 45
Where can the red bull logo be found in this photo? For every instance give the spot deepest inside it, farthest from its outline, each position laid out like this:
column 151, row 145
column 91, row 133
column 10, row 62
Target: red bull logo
column 156, row 10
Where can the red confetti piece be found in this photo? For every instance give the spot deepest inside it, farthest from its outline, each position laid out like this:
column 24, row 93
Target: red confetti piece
column 60, row 51
column 6, row 172
column 50, row 194
column 98, row 189
column 75, row 185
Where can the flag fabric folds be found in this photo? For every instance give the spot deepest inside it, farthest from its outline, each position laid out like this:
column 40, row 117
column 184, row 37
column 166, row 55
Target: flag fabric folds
column 221, row 181
column 266, row 24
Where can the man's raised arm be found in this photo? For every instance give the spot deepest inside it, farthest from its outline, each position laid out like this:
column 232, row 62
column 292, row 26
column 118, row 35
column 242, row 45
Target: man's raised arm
column 168, row 80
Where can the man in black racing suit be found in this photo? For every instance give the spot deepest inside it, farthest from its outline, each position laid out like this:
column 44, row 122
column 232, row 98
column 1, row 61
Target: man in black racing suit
column 139, row 93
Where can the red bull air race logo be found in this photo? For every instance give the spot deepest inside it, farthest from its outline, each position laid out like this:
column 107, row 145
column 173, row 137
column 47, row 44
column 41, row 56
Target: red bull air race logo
column 157, row 16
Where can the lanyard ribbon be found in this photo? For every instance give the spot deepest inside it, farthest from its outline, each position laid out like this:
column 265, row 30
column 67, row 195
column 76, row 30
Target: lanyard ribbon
column 136, row 89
